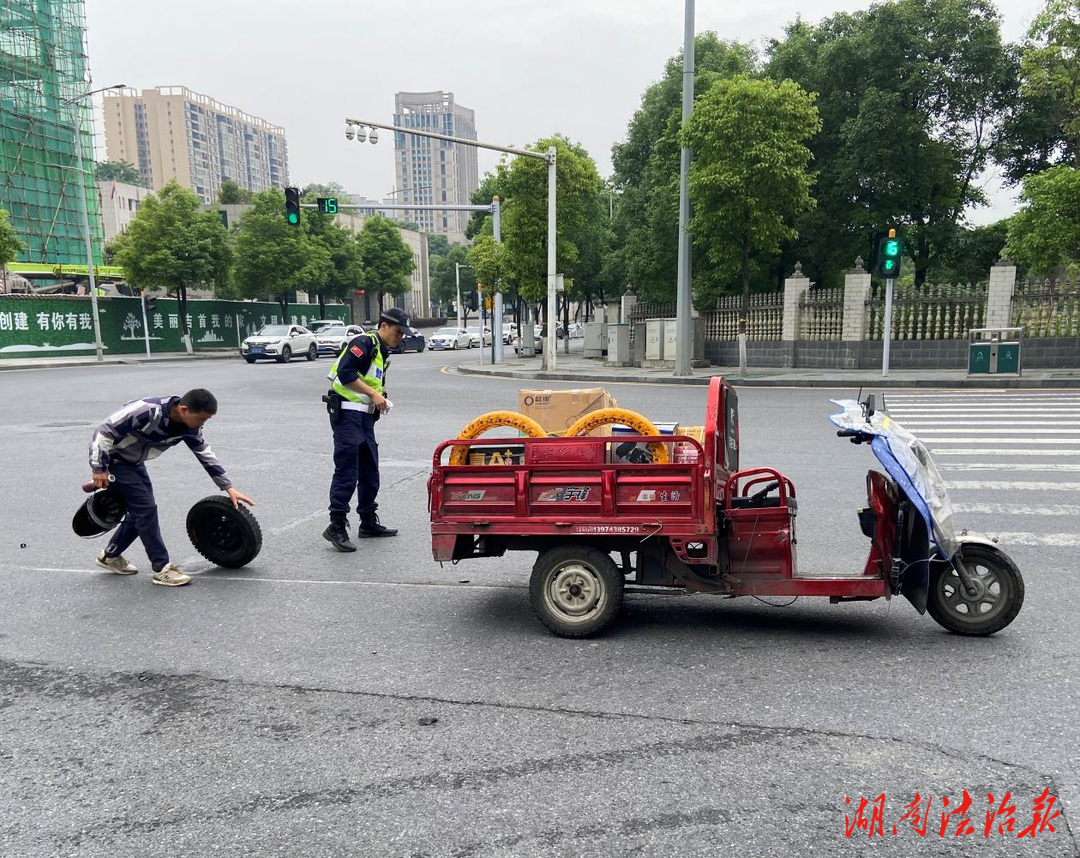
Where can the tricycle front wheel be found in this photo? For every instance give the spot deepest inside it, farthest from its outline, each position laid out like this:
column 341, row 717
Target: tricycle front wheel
column 996, row 602
column 575, row 590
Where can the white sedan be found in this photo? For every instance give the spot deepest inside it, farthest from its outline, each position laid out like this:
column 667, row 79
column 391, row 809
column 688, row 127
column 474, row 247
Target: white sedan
column 474, row 336
column 281, row 343
column 450, row 338
column 333, row 338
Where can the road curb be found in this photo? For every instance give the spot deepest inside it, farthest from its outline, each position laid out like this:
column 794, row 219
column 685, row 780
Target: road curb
column 971, row 383
column 60, row 363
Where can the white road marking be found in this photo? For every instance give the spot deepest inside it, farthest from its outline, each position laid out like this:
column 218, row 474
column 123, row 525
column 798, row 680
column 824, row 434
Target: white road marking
column 999, row 440
column 1012, row 466
column 1007, row 486
column 1015, row 509
column 996, row 451
column 202, row 576
column 1056, row 540
column 1000, row 431
column 923, row 425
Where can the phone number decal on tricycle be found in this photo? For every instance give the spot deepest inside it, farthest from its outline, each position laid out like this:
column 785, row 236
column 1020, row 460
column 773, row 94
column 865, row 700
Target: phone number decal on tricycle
column 607, row 528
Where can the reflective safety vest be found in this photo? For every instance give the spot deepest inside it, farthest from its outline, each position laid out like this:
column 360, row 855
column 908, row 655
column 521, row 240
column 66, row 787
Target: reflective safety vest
column 374, row 378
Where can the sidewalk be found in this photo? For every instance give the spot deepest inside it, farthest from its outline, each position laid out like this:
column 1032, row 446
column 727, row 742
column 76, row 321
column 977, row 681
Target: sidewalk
column 575, row 367
column 112, row 360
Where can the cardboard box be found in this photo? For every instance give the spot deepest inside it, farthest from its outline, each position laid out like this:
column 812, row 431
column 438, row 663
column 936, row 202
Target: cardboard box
column 558, row 410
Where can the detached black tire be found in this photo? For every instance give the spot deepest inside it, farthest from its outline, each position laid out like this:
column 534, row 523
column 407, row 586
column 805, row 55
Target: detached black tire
column 312, row 352
column 575, row 590
column 225, row 535
column 1000, row 596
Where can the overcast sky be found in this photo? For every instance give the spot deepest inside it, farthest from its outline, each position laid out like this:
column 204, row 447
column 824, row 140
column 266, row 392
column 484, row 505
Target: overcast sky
column 527, row 68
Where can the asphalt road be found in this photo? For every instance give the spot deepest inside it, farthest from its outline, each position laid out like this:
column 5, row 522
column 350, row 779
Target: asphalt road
column 378, row 704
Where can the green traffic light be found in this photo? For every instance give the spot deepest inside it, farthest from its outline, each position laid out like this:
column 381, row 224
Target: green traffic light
column 294, row 218
column 892, row 247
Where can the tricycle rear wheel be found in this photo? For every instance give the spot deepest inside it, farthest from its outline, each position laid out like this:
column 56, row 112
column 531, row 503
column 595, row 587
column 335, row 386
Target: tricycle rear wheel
column 997, row 602
column 575, row 590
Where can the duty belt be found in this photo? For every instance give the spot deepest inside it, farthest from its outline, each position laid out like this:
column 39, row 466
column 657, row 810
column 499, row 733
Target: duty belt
column 357, row 406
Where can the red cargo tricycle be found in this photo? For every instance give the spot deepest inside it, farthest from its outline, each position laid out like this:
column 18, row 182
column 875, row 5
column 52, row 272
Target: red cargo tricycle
column 702, row 524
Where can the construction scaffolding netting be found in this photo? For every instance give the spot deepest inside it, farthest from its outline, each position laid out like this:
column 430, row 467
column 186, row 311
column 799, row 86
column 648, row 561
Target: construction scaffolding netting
column 44, row 115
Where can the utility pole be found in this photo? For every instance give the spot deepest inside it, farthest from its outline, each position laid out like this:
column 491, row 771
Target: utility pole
column 683, row 308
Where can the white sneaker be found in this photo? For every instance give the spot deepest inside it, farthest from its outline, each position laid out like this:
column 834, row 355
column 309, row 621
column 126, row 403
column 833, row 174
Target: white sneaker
column 117, row 565
column 171, row 576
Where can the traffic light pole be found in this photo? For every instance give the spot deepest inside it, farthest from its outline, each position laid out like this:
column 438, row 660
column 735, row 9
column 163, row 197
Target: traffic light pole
column 886, row 336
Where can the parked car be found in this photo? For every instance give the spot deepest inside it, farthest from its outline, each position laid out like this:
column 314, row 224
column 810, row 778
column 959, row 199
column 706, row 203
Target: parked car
column 450, row 338
column 413, row 341
column 537, row 347
column 280, row 343
column 474, row 336
column 317, row 326
column 331, row 339
column 509, row 331
column 577, row 331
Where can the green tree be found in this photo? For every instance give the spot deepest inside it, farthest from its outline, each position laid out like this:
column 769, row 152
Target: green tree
column 329, row 189
column 345, row 274
column 444, row 275
column 524, row 216
column 387, row 260
column 909, row 94
column 750, row 177
column 971, row 253
column 119, row 171
column 274, row 258
column 437, row 245
column 646, row 178
column 10, row 246
column 1045, row 233
column 492, row 185
column 232, row 194
column 1042, row 126
column 171, row 245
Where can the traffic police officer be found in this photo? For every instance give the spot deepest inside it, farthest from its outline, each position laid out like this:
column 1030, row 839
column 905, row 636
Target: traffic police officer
column 355, row 401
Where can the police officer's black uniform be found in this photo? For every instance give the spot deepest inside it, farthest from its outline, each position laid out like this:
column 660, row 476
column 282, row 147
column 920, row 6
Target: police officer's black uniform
column 356, row 452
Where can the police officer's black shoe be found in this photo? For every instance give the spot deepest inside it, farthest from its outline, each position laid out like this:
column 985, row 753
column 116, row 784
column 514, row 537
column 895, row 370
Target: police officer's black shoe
column 337, row 534
column 369, row 526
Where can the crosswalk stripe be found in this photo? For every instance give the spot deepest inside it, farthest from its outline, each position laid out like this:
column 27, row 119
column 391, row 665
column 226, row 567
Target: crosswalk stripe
column 1015, row 509
column 991, row 440
column 990, row 424
column 981, row 431
column 1009, row 466
column 1011, row 486
column 996, row 451
column 1055, row 540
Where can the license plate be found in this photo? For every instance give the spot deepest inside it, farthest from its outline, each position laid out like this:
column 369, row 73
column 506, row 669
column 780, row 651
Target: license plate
column 256, row 351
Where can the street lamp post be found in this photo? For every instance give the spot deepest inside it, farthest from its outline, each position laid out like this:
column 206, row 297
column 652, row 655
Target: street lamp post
column 683, row 307
column 549, row 157
column 98, row 348
column 457, row 281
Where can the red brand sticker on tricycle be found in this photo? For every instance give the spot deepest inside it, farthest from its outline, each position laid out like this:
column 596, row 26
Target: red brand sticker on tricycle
column 473, row 495
column 570, row 493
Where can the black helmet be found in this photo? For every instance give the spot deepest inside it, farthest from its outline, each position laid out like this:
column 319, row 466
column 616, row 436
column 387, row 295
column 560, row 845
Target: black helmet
column 100, row 513
column 395, row 316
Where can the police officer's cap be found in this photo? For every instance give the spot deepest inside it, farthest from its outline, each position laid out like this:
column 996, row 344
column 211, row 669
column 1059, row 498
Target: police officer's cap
column 101, row 512
column 395, row 316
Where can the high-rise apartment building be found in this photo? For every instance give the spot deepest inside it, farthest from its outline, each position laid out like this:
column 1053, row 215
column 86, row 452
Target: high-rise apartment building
column 428, row 171
column 44, row 123
column 171, row 132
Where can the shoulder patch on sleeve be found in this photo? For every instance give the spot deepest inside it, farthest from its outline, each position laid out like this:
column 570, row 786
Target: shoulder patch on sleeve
column 356, row 350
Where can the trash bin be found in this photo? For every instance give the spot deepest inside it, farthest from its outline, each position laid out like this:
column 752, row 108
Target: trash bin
column 994, row 351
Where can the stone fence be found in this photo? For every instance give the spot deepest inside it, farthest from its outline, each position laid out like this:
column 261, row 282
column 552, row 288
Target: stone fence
column 803, row 326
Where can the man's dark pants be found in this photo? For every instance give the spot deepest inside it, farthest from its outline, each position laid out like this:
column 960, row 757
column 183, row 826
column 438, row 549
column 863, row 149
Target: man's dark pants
column 141, row 521
column 356, row 464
